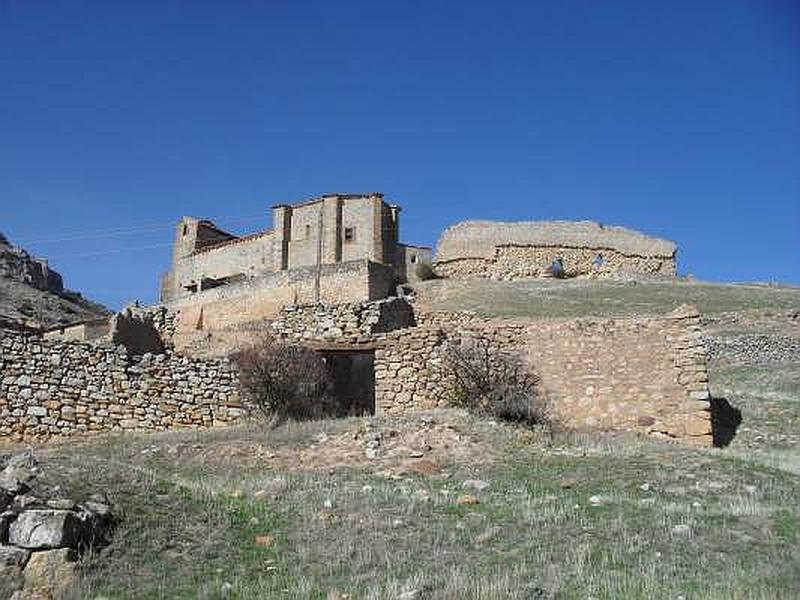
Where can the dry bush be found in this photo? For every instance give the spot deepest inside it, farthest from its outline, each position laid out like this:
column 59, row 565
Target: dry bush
column 492, row 382
column 285, row 381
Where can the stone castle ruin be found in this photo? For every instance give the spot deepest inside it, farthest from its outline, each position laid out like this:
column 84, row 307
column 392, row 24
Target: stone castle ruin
column 333, row 249
column 530, row 249
column 325, row 276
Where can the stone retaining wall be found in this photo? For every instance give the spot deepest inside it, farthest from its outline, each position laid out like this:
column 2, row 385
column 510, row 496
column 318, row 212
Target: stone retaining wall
column 60, row 388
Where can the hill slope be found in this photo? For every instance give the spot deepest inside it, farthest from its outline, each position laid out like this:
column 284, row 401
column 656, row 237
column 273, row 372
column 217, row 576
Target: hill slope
column 33, row 296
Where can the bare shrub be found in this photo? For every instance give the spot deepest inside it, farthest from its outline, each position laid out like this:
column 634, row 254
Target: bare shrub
column 490, row 381
column 285, row 381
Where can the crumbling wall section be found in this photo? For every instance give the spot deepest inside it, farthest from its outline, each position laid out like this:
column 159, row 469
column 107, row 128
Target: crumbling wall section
column 264, row 297
column 521, row 250
column 643, row 374
column 521, row 262
column 51, row 388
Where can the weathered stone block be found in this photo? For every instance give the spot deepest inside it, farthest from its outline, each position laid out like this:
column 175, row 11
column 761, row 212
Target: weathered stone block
column 13, row 556
column 11, row 580
column 40, row 529
column 52, row 570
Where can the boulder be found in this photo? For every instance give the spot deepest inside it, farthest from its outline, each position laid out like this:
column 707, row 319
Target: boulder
column 41, row 529
column 11, row 580
column 11, row 485
column 51, row 571
column 11, row 556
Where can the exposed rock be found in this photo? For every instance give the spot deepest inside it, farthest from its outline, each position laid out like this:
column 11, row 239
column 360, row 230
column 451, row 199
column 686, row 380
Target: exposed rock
column 681, row 530
column 52, row 571
column 41, row 535
column 475, row 484
column 467, row 499
column 13, row 556
column 11, row 580
column 32, row 295
column 38, row 529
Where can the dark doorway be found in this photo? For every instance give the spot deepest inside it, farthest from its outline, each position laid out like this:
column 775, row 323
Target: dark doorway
column 353, row 375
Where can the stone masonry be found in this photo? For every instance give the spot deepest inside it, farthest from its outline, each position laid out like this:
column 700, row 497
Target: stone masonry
column 640, row 374
column 329, row 230
column 59, row 388
column 510, row 251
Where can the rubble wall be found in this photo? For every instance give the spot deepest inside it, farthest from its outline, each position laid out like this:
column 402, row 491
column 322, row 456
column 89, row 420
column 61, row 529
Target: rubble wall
column 639, row 374
column 52, row 388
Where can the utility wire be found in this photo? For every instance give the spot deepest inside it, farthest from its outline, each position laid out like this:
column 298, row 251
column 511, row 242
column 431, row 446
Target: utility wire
column 111, row 251
column 127, row 231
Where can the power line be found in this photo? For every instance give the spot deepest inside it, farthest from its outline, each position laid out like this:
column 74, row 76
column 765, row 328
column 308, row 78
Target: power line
column 112, row 251
column 127, row 231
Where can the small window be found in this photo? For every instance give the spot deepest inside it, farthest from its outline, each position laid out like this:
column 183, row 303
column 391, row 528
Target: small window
column 308, row 231
column 349, row 234
column 185, row 229
column 413, row 258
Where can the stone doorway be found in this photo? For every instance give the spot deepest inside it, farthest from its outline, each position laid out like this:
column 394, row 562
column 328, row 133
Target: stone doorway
column 353, row 375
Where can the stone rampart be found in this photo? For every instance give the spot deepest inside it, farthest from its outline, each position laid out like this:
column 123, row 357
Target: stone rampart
column 522, row 250
column 59, row 388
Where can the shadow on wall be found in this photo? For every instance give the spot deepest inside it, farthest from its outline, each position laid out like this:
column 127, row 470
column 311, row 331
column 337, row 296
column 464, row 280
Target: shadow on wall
column 725, row 420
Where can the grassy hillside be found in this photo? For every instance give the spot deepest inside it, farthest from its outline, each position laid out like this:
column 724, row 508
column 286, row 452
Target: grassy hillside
column 302, row 511
column 582, row 297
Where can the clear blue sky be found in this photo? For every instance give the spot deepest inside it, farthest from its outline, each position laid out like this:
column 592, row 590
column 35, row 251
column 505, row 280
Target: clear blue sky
column 681, row 119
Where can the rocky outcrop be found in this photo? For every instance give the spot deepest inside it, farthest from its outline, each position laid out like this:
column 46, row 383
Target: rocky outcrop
column 18, row 265
column 33, row 297
column 42, row 534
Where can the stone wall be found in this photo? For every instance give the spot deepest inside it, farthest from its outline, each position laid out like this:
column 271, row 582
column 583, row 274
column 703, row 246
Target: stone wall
column 344, row 322
column 644, row 374
column 264, row 297
column 522, row 250
column 60, row 388
column 356, row 324
column 332, row 229
column 520, row 262
column 641, row 374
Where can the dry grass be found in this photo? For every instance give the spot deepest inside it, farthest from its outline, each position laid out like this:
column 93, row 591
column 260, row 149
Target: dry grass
column 575, row 516
column 587, row 297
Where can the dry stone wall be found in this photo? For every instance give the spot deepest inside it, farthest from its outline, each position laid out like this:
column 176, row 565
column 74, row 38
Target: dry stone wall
column 645, row 374
column 52, row 388
column 641, row 374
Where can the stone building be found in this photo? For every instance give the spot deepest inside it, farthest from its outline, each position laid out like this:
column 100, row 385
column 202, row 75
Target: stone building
column 331, row 229
column 332, row 249
column 532, row 249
